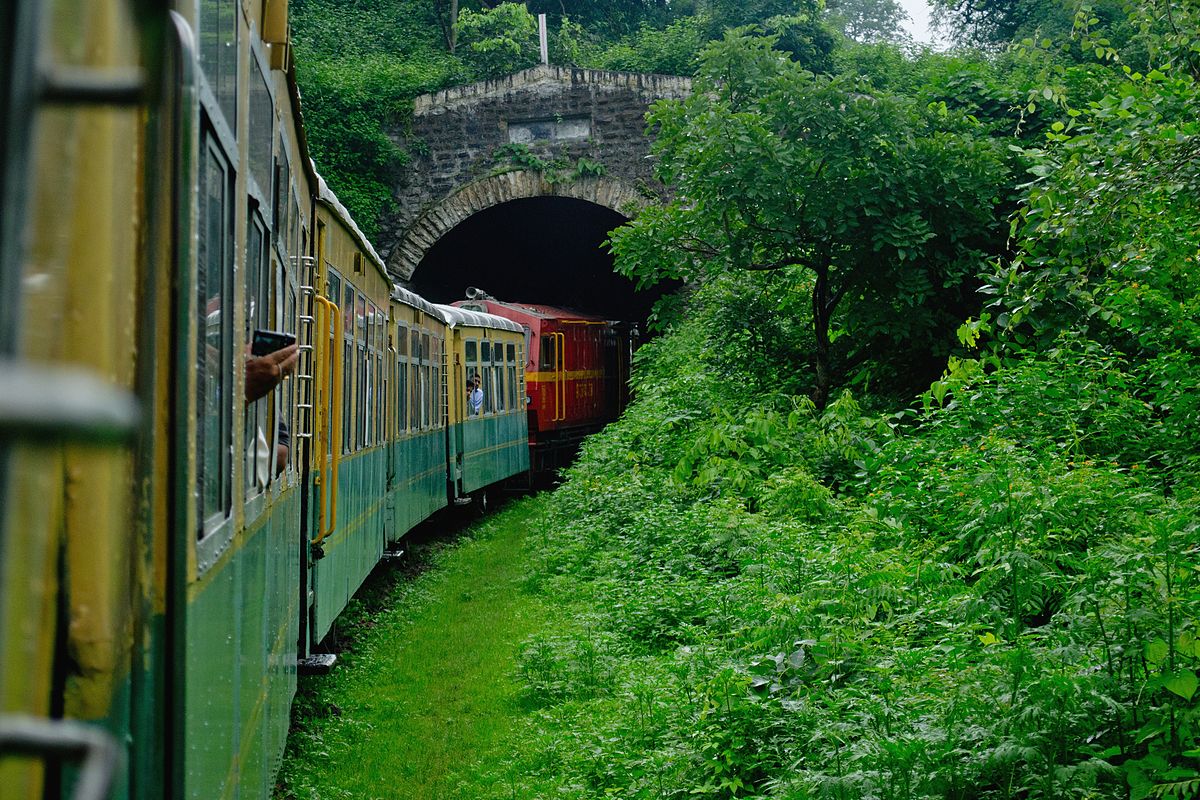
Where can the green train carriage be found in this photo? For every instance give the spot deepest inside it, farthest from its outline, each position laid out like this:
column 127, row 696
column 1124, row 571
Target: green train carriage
column 417, row 412
column 486, row 447
column 161, row 572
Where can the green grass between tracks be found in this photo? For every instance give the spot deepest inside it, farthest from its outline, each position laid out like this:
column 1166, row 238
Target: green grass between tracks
column 426, row 686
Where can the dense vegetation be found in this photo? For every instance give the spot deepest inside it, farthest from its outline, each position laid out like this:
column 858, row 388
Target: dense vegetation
column 804, row 565
column 361, row 62
column 990, row 594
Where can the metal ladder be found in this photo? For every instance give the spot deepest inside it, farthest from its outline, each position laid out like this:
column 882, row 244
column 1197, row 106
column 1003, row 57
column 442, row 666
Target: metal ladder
column 445, row 381
column 305, row 395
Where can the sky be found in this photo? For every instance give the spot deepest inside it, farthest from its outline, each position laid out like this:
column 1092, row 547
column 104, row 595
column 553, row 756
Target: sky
column 919, row 27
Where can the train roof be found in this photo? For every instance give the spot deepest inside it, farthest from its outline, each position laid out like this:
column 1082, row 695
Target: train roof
column 532, row 309
column 414, row 300
column 455, row 316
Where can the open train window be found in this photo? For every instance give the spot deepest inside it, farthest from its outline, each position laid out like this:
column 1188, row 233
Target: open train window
column 257, row 438
column 511, row 363
column 485, row 373
column 219, row 54
column 498, row 375
column 261, row 135
column 547, row 361
column 402, row 378
column 436, row 385
column 426, row 381
column 471, row 357
column 214, row 350
column 414, row 360
column 347, row 367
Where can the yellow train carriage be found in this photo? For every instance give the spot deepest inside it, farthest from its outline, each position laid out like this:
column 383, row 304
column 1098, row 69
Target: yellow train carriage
column 167, row 546
column 417, row 412
column 346, row 524
column 488, row 438
column 82, row 243
column 245, row 214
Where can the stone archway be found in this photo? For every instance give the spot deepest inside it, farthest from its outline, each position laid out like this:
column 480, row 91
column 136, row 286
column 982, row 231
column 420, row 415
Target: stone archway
column 617, row 194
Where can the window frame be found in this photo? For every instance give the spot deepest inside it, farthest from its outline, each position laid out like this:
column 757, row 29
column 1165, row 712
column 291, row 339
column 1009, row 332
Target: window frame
column 210, row 524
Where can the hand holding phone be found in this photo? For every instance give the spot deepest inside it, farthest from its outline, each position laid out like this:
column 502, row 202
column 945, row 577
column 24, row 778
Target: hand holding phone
column 265, row 342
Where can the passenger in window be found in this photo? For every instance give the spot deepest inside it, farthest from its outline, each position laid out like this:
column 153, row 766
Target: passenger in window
column 475, row 396
column 264, row 373
column 283, row 447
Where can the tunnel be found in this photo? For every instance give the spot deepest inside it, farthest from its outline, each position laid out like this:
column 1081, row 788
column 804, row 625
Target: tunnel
column 546, row 250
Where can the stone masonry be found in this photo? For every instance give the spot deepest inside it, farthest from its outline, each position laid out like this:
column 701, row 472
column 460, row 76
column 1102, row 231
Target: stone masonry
column 557, row 113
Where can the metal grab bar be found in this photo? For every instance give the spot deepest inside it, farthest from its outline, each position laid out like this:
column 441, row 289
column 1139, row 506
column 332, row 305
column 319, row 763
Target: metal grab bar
column 95, row 748
column 331, row 379
column 561, row 376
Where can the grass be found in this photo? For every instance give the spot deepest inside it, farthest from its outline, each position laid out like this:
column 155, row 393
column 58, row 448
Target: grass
column 426, row 683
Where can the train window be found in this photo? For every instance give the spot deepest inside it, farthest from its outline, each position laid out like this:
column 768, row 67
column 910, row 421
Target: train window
column 498, row 382
column 219, row 54
column 262, row 131
column 281, row 182
column 414, row 359
column 348, row 371
column 511, row 361
column 257, row 470
column 437, row 382
column 485, row 374
column 471, row 357
column 214, row 353
column 402, row 378
column 334, row 293
column 360, row 408
column 427, row 378
column 547, row 351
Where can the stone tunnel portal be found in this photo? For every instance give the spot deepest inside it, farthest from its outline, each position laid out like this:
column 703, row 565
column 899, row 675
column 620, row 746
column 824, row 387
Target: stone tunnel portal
column 535, row 250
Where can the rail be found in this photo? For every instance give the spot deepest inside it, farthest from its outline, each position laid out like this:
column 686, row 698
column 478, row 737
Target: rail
column 327, row 380
column 560, row 377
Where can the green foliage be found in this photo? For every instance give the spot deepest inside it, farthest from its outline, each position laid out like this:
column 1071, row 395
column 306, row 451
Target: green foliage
column 348, row 106
column 1000, row 22
column 868, row 20
column 880, row 199
column 673, row 50
column 359, row 65
column 498, row 41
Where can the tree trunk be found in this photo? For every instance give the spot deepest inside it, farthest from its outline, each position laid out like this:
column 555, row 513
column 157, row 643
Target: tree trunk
column 453, row 25
column 821, row 313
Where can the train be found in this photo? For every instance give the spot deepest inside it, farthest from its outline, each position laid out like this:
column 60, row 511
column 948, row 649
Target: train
column 174, row 547
column 577, row 373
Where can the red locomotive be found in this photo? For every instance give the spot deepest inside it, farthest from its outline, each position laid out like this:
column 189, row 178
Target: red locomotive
column 576, row 373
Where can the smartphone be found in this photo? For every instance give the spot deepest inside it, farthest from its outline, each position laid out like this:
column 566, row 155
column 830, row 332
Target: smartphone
column 269, row 341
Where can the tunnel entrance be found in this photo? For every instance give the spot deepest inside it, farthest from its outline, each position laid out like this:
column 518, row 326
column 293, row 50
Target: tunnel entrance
column 544, row 250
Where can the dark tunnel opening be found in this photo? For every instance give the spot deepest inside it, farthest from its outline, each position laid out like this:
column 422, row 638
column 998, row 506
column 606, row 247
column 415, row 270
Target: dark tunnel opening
column 544, row 250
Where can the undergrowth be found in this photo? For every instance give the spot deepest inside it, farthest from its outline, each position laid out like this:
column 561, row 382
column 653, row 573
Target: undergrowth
column 997, row 598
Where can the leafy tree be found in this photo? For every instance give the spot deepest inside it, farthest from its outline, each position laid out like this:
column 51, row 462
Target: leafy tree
column 886, row 203
column 869, row 20
column 498, row 41
column 1000, row 22
column 670, row 51
column 796, row 24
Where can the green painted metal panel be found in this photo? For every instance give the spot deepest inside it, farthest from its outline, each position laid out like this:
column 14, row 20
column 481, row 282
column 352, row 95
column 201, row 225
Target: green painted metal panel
column 357, row 542
column 419, row 483
column 494, row 448
column 242, row 621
